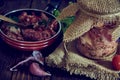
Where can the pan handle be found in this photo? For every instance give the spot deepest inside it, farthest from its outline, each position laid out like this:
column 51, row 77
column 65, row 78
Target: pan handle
column 53, row 5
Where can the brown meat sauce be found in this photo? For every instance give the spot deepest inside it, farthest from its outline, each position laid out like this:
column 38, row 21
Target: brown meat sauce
column 42, row 27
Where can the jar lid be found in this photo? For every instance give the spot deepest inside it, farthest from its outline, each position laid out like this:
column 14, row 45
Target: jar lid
column 106, row 9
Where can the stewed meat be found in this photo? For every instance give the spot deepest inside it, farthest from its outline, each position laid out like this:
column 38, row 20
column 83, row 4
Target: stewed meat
column 40, row 27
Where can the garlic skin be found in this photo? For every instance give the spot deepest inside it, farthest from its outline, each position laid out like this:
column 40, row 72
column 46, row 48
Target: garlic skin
column 36, row 70
column 34, row 67
column 36, row 56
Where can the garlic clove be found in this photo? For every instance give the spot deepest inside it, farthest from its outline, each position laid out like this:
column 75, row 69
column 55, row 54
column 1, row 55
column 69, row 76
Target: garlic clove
column 36, row 70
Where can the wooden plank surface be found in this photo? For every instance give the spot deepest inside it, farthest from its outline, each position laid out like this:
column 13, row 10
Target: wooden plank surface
column 10, row 56
column 9, row 5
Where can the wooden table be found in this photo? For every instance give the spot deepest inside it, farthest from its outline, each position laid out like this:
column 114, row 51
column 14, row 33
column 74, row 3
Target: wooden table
column 9, row 56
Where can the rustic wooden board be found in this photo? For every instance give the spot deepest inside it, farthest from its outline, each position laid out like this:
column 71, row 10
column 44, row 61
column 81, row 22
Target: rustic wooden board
column 9, row 5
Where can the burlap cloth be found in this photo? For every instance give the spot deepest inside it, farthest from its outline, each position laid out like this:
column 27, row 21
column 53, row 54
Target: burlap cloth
column 67, row 57
column 71, row 61
column 87, row 13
